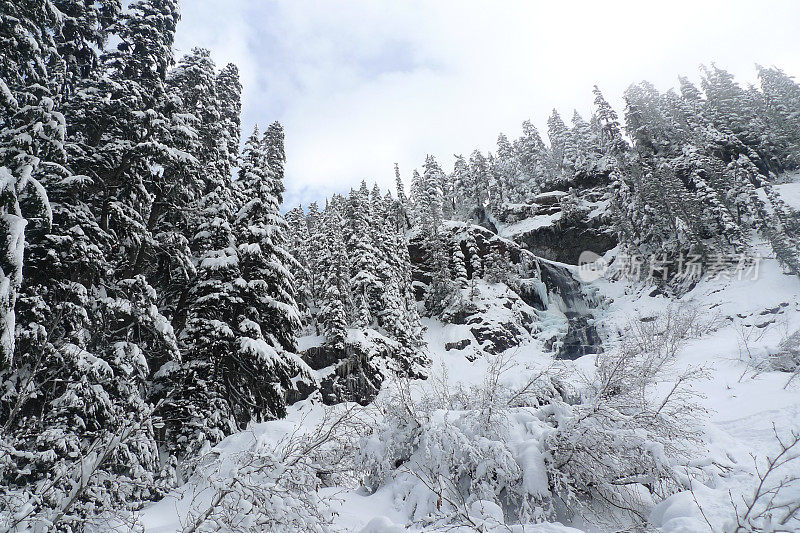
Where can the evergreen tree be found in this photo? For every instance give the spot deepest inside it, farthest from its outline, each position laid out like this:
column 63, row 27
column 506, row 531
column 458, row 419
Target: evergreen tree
column 561, row 146
column 299, row 247
column 334, row 265
column 479, row 177
column 261, row 234
column 363, row 255
column 533, row 157
column 85, row 26
column 462, row 188
column 459, row 268
column 229, row 94
column 402, row 200
column 32, row 131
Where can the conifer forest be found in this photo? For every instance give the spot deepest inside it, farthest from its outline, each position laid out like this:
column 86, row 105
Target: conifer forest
column 590, row 328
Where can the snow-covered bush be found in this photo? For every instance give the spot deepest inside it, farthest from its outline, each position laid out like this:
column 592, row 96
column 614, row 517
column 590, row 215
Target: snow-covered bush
column 606, row 450
column 453, row 447
column 786, row 358
column 626, row 445
column 273, row 485
column 774, row 503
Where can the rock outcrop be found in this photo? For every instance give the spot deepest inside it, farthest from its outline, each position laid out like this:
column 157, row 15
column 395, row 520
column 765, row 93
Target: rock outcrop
column 355, row 370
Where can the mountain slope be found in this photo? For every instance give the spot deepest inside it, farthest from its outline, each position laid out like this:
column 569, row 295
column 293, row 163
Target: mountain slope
column 736, row 324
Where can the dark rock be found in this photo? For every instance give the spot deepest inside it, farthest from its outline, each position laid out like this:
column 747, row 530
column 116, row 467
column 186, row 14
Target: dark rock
column 581, row 338
column 319, row 357
column 494, row 340
column 565, row 244
column 458, row 345
column 360, row 367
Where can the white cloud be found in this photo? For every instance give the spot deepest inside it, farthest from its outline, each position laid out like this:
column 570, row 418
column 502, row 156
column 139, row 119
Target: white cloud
column 362, row 84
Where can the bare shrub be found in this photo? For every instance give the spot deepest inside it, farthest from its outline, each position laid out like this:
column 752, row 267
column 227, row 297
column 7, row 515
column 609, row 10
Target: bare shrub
column 774, row 504
column 543, row 449
column 785, row 357
column 619, row 450
column 275, row 487
column 452, row 448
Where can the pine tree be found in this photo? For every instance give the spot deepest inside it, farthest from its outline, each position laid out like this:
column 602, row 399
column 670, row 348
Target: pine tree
column 459, row 268
column 229, row 94
column 462, row 188
column 32, row 131
column 299, row 247
column 261, row 236
column 402, row 200
column 84, row 30
column 242, row 320
column 782, row 114
column 561, row 146
column 506, row 168
column 124, row 135
column 611, row 134
column 275, row 159
column 586, row 148
column 199, row 410
column 363, row 255
column 317, row 277
column 478, row 185
column 533, row 157
column 334, row 265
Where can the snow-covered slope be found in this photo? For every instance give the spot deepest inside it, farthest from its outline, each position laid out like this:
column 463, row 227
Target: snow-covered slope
column 744, row 407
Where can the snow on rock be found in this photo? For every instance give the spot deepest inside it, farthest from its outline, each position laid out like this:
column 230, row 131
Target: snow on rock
column 355, row 370
column 530, row 224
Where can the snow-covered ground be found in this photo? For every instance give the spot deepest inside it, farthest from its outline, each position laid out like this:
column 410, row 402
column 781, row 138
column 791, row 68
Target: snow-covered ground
column 743, row 408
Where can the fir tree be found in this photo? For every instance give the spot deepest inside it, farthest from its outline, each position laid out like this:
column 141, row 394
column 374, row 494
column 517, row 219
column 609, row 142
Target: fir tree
column 32, row 131
column 334, row 265
column 459, row 268
column 363, row 256
column 261, row 237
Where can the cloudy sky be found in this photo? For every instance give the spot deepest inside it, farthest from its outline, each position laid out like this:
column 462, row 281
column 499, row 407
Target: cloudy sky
column 362, row 84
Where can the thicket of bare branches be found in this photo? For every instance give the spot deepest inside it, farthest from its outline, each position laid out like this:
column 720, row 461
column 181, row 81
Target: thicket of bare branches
column 774, row 504
column 453, row 452
column 619, row 450
column 553, row 446
column 275, row 487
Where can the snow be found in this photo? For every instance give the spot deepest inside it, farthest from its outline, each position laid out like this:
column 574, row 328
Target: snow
column 790, row 192
column 743, row 407
column 309, row 341
column 549, row 196
column 530, row 224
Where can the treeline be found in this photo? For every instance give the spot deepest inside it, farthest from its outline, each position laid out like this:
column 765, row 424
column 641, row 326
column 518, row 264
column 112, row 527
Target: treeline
column 146, row 300
column 681, row 172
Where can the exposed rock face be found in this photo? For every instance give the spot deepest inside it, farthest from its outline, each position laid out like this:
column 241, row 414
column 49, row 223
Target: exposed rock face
column 565, row 244
column 549, row 233
column 505, row 315
column 496, row 318
column 581, row 338
column 458, row 345
column 355, row 371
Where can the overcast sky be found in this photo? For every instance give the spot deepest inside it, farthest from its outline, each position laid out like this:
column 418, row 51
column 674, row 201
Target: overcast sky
column 362, row 84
